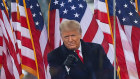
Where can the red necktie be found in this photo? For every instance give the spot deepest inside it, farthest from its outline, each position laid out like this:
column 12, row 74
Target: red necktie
column 77, row 51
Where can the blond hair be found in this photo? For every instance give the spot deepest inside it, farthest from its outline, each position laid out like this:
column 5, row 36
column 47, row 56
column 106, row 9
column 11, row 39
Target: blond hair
column 69, row 25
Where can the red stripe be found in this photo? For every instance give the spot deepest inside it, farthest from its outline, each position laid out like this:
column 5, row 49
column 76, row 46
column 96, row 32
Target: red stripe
column 135, row 43
column 47, row 50
column 91, row 31
column 1, row 41
column 12, row 51
column 36, row 36
column 7, row 72
column 1, row 60
column 23, row 22
column 52, row 28
column 101, row 16
column 120, row 54
column 105, row 45
column 14, row 17
column 28, row 62
column 18, row 35
column 108, row 38
column 27, row 42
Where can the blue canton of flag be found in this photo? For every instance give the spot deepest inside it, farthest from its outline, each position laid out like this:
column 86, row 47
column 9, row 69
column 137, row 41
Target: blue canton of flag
column 1, row 5
column 126, row 13
column 70, row 9
column 36, row 13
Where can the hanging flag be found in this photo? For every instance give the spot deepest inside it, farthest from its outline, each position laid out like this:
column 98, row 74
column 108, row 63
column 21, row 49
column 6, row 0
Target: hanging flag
column 78, row 10
column 34, row 39
column 127, row 39
column 16, row 24
column 11, row 65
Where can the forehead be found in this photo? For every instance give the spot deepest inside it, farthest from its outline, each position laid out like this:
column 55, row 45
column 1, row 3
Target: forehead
column 69, row 32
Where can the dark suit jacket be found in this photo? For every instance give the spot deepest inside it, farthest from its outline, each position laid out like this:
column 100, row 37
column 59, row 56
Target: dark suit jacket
column 96, row 64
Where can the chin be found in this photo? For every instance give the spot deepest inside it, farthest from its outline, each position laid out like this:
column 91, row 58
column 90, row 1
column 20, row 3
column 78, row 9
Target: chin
column 72, row 48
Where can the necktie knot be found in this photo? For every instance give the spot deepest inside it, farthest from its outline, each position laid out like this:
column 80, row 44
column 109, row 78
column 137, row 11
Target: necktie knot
column 77, row 51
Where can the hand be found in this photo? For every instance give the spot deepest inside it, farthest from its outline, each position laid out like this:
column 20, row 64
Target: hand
column 70, row 60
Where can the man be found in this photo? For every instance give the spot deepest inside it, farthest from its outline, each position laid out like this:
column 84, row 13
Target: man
column 90, row 62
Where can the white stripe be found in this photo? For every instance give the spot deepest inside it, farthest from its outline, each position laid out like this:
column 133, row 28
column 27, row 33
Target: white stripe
column 110, row 53
column 0, row 30
column 16, row 26
column 9, row 62
column 86, row 21
column 3, row 29
column 2, row 76
column 57, row 32
column 25, row 32
column 48, row 73
column 27, row 52
column 19, row 43
column 128, row 32
column 128, row 53
column 1, row 50
column 18, row 58
column 22, row 11
column 15, row 71
column 43, row 39
column 98, row 37
column 8, row 28
column 139, row 52
column 104, row 27
column 8, row 58
column 101, row 6
column 14, row 7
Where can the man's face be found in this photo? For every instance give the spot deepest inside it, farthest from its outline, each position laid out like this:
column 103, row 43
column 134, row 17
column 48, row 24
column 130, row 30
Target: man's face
column 71, row 39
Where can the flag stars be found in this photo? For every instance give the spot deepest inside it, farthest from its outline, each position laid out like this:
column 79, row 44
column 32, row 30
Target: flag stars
column 55, row 2
column 40, row 13
column 73, row 7
column 2, row 4
column 37, row 23
column 135, row 21
column 37, row 5
column 119, row 11
column 69, row 0
column 131, row 2
column 81, row 6
column 125, row 5
column 31, row 7
column 130, row 13
column 34, row 15
column 62, row 4
column 65, row 11
column 124, row 19
column 76, row 15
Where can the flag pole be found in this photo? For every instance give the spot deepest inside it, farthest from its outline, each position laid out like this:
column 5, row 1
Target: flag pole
column 114, row 24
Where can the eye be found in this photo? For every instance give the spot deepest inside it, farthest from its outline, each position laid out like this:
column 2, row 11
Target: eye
column 73, row 35
column 66, row 37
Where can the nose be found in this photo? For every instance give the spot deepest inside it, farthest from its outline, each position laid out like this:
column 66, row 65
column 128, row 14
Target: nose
column 70, row 38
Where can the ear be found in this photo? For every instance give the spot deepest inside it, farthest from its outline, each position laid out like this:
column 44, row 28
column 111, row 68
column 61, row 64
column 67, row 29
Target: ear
column 80, row 35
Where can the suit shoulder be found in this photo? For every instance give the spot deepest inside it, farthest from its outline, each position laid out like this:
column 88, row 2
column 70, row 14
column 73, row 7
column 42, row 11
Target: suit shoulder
column 54, row 54
column 94, row 45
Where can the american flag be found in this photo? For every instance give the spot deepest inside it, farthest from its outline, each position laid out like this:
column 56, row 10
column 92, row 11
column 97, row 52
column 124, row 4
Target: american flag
column 78, row 10
column 11, row 65
column 127, row 35
column 33, row 38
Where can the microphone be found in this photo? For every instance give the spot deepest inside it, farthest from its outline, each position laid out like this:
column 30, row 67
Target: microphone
column 70, row 60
